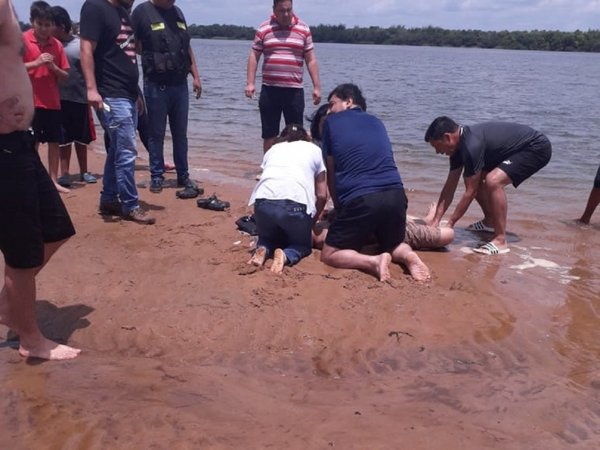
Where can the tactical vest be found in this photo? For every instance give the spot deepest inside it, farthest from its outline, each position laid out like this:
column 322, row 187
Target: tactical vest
column 167, row 57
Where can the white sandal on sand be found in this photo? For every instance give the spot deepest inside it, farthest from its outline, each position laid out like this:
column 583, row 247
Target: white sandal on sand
column 480, row 226
column 491, row 249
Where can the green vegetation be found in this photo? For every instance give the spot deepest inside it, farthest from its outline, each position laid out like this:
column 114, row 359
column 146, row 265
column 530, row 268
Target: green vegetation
column 563, row 41
column 579, row 41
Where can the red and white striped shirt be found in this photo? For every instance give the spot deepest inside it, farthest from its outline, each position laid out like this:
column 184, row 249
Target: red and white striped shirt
column 283, row 49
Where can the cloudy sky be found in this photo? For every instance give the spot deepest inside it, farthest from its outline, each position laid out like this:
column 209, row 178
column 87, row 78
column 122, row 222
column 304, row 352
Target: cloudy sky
column 564, row 15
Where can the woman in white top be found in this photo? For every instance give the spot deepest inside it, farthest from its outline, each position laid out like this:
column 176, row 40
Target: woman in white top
column 290, row 195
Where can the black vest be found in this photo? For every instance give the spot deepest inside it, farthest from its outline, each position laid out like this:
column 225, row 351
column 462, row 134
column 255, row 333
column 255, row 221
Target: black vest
column 166, row 59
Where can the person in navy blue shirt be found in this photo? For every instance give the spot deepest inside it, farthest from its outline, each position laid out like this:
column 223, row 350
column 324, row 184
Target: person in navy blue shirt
column 366, row 189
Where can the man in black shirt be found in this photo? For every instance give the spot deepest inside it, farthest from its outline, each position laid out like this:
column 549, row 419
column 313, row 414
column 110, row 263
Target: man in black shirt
column 493, row 155
column 167, row 59
column 109, row 65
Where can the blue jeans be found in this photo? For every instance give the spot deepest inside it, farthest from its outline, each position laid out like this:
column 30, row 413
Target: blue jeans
column 284, row 224
column 172, row 102
column 119, row 169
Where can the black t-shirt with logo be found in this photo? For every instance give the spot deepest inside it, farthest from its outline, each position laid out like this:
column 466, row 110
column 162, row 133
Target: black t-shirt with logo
column 485, row 145
column 114, row 58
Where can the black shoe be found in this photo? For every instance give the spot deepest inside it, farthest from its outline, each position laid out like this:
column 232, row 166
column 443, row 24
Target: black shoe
column 112, row 208
column 189, row 184
column 156, row 185
column 140, row 216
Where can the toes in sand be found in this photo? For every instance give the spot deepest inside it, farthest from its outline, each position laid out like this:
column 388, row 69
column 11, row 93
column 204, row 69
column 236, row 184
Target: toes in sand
column 258, row 259
column 383, row 266
column 279, row 260
column 417, row 268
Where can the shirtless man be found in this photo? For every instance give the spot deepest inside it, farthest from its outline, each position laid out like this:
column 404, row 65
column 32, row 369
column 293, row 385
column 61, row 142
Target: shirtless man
column 34, row 222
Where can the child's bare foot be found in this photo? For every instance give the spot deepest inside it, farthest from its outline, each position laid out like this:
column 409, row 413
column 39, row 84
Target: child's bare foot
column 47, row 349
column 279, row 260
column 258, row 258
column 417, row 268
column 383, row 266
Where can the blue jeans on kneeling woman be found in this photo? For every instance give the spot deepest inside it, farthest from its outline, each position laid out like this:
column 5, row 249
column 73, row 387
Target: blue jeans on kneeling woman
column 283, row 224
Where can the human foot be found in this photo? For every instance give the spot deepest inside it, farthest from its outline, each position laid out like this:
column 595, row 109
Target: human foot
column 47, row 349
column 279, row 260
column 383, row 266
column 258, row 258
column 61, row 189
column 417, row 268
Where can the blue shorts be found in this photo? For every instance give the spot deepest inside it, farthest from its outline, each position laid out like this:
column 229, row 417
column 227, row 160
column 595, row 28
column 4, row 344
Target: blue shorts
column 31, row 210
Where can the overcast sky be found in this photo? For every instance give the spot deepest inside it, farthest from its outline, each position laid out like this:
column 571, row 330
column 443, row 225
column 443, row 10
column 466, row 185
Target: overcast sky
column 564, row 15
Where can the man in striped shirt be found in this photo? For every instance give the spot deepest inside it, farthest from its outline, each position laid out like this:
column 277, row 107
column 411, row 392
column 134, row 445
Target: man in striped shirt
column 286, row 43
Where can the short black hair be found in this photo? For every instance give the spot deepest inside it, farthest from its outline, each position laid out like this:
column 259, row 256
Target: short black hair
column 348, row 91
column 440, row 126
column 279, row 1
column 61, row 18
column 40, row 10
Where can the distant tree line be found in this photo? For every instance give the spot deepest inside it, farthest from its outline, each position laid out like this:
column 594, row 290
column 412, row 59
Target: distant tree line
column 564, row 41
column 567, row 41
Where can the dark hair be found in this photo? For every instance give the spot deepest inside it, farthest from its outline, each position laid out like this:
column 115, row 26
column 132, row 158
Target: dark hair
column 61, row 18
column 40, row 10
column 349, row 91
column 275, row 2
column 315, row 121
column 291, row 133
column 440, row 126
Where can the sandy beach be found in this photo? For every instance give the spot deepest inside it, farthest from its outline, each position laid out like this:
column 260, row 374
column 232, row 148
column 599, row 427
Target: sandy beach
column 186, row 346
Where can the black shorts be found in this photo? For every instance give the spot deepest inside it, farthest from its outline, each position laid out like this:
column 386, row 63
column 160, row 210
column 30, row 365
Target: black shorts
column 382, row 214
column 31, row 210
column 524, row 163
column 276, row 100
column 597, row 179
column 75, row 123
column 46, row 125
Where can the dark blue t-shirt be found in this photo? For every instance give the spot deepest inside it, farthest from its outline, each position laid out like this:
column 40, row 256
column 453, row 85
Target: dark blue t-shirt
column 362, row 154
column 485, row 145
column 114, row 58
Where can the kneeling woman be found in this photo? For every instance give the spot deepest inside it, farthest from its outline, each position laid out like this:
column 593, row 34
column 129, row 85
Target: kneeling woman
column 290, row 195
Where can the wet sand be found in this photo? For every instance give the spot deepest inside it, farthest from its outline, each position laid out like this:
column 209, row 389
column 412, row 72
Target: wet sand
column 186, row 346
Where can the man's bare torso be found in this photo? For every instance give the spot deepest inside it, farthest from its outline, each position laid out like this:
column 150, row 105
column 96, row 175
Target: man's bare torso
column 16, row 97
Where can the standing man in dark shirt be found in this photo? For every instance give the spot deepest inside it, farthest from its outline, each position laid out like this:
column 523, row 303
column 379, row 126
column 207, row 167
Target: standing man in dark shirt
column 109, row 65
column 366, row 189
column 167, row 59
column 493, row 155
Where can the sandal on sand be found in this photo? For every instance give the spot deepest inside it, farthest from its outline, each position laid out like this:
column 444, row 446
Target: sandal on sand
column 480, row 226
column 188, row 192
column 491, row 249
column 212, row 203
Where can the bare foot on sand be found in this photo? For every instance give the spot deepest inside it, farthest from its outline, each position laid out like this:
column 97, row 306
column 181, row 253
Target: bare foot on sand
column 47, row 349
column 417, row 268
column 258, row 259
column 61, row 189
column 279, row 260
column 383, row 266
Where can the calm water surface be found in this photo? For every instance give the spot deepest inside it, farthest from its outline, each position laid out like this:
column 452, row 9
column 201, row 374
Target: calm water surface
column 407, row 87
